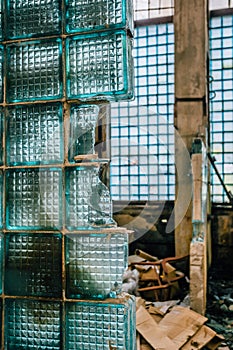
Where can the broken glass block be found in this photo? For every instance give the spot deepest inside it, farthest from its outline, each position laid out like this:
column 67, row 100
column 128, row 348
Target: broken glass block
column 34, row 199
column 98, row 15
column 101, row 326
column 95, row 263
column 28, row 18
column 33, row 265
column 34, row 71
column 99, row 66
column 88, row 202
column 32, row 324
column 82, row 130
column 35, row 134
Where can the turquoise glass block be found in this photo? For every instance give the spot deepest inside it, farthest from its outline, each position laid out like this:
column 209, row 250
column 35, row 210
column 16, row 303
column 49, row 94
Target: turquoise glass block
column 1, row 20
column 32, row 325
column 1, row 259
column 34, row 71
column 1, row 72
column 99, row 66
column 27, row 18
column 35, row 134
column 88, row 202
column 98, row 15
column 34, row 199
column 101, row 326
column 33, row 265
column 1, row 198
column 82, row 130
column 1, row 137
column 95, row 263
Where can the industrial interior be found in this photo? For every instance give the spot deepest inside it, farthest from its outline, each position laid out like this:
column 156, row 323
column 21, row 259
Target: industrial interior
column 116, row 177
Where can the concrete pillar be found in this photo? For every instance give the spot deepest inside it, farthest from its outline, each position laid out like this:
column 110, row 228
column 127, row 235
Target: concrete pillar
column 191, row 121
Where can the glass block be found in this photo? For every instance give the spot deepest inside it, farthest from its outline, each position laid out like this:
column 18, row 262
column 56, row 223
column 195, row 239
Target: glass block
column 1, row 72
column 99, row 66
column 32, row 325
column 1, row 137
column 97, row 15
column 88, row 202
column 1, row 20
column 82, row 130
column 95, row 263
column 33, row 265
column 34, row 199
column 35, row 134
column 1, row 198
column 1, row 259
column 27, row 18
column 34, row 71
column 101, row 326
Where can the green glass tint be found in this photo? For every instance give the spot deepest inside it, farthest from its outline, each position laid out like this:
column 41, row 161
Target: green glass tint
column 99, row 66
column 34, row 199
column 82, row 130
column 1, row 259
column 33, row 265
column 35, row 135
column 88, row 202
column 34, row 71
column 95, row 263
column 27, row 18
column 32, row 325
column 98, row 15
column 1, row 197
column 1, row 72
column 1, row 137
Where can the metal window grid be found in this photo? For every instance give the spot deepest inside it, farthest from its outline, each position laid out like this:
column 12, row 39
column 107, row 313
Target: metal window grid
column 221, row 103
column 142, row 135
column 142, row 165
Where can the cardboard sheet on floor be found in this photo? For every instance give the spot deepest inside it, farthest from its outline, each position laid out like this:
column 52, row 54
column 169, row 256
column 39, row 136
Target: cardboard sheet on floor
column 200, row 339
column 180, row 324
column 151, row 331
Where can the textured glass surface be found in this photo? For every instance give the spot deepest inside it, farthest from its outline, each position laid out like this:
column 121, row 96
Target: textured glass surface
column 33, row 265
column 88, row 202
column 1, row 198
column 35, row 135
column 34, row 199
column 101, row 326
column 100, row 66
column 1, row 73
column 1, row 259
column 26, row 18
column 82, row 130
column 96, row 15
column 95, row 264
column 1, row 137
column 32, row 325
column 34, row 71
column 1, row 20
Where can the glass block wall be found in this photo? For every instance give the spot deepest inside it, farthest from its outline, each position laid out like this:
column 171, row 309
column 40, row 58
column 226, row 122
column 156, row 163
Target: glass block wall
column 62, row 256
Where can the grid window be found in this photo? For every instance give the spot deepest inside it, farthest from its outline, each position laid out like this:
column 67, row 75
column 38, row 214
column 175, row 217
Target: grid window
column 142, row 134
column 221, row 104
column 142, row 166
